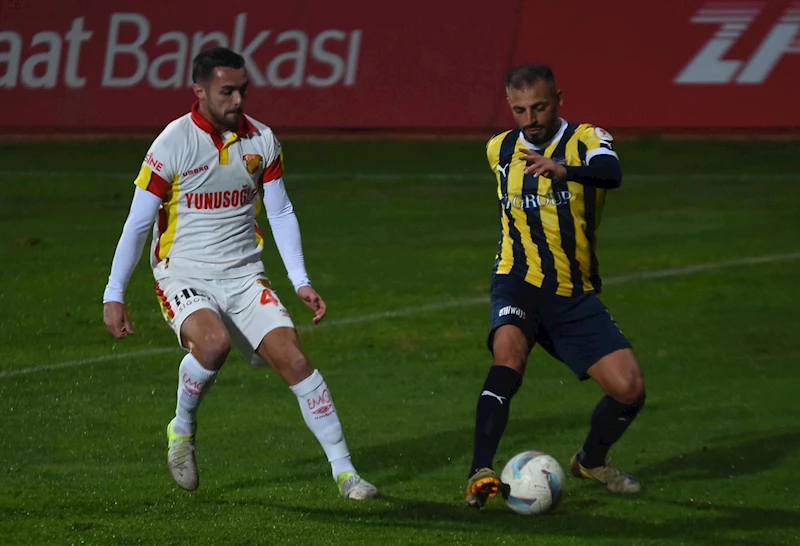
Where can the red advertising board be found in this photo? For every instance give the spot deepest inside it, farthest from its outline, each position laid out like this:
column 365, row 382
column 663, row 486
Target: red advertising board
column 126, row 64
column 429, row 65
column 691, row 64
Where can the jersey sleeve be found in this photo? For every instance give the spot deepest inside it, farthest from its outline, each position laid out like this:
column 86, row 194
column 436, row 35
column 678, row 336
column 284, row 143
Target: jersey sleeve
column 144, row 208
column 273, row 161
column 594, row 141
column 158, row 169
column 493, row 152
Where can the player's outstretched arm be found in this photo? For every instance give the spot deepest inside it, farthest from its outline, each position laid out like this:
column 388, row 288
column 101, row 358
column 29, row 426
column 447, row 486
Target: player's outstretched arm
column 541, row 165
column 144, row 208
column 286, row 232
column 603, row 171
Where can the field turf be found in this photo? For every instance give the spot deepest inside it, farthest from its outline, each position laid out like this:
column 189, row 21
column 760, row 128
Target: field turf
column 700, row 252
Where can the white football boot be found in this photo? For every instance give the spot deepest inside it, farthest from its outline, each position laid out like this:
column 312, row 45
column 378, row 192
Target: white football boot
column 353, row 486
column 180, row 458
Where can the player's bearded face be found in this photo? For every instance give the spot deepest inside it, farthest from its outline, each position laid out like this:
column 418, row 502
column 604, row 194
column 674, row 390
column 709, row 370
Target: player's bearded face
column 224, row 97
column 535, row 110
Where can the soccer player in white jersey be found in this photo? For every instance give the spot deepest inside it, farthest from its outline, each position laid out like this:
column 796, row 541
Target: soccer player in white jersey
column 200, row 189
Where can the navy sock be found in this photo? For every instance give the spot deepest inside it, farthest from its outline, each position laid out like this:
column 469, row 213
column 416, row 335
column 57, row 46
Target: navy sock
column 610, row 420
column 502, row 383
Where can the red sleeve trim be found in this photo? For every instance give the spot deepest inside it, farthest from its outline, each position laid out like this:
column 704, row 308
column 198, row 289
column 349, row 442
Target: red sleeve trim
column 158, row 186
column 274, row 171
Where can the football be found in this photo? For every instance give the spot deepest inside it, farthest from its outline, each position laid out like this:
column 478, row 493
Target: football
column 537, row 482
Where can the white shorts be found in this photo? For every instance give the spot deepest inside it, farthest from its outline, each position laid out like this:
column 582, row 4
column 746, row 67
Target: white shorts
column 248, row 306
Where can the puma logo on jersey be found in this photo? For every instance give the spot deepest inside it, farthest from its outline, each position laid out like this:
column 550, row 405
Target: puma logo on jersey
column 503, row 169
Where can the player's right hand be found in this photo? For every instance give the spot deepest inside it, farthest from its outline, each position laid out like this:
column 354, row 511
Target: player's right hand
column 313, row 301
column 115, row 315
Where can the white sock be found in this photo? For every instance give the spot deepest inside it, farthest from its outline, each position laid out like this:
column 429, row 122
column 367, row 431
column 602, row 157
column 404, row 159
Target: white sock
column 193, row 382
column 320, row 415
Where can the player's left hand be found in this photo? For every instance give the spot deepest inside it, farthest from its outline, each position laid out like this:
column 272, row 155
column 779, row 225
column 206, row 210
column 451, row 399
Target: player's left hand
column 543, row 166
column 314, row 301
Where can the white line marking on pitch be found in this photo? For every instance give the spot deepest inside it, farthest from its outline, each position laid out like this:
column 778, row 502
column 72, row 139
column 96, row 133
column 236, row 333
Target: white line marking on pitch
column 85, row 361
column 433, row 307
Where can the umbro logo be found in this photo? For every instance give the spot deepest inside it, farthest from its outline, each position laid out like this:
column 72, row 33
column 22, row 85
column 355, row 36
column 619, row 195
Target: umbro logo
column 190, row 172
column 322, row 409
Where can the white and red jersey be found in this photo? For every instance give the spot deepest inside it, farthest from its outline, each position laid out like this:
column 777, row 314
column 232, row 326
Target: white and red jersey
column 209, row 186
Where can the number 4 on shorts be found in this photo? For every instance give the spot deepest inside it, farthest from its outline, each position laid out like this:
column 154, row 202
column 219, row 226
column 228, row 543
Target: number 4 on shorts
column 268, row 296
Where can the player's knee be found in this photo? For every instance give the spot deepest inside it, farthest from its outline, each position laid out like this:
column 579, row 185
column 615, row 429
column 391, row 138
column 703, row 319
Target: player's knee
column 515, row 363
column 297, row 370
column 630, row 390
column 212, row 349
column 511, row 352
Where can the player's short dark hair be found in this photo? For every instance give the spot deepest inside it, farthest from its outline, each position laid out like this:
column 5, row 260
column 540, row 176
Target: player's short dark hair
column 206, row 61
column 527, row 75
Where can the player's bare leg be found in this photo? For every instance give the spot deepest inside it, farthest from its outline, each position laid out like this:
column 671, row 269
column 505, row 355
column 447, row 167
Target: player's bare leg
column 620, row 377
column 281, row 349
column 510, row 349
column 204, row 334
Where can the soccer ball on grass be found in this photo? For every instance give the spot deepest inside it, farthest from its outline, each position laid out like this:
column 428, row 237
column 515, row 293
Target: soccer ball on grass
column 537, row 482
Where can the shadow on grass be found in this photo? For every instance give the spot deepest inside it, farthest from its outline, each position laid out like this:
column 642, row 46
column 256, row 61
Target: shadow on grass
column 406, row 459
column 588, row 511
column 587, row 514
column 577, row 520
column 580, row 518
column 727, row 457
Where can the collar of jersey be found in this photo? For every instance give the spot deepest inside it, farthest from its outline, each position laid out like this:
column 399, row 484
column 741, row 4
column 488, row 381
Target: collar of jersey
column 245, row 127
column 556, row 138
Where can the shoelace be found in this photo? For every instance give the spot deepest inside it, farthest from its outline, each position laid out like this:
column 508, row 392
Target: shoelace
column 181, row 453
column 351, row 482
column 616, row 475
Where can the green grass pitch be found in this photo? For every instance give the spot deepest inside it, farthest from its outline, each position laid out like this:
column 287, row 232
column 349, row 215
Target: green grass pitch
column 399, row 239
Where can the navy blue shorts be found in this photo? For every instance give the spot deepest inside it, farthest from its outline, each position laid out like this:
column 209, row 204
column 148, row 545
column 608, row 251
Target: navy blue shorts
column 578, row 330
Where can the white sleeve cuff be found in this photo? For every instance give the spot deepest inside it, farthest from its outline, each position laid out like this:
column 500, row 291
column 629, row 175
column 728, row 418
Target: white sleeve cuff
column 129, row 248
column 286, row 232
column 600, row 151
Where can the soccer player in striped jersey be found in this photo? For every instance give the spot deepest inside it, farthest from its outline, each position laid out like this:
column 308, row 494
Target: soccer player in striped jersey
column 200, row 188
column 552, row 178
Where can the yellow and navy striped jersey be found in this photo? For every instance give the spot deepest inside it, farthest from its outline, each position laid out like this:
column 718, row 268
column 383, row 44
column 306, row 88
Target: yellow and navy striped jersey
column 548, row 233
